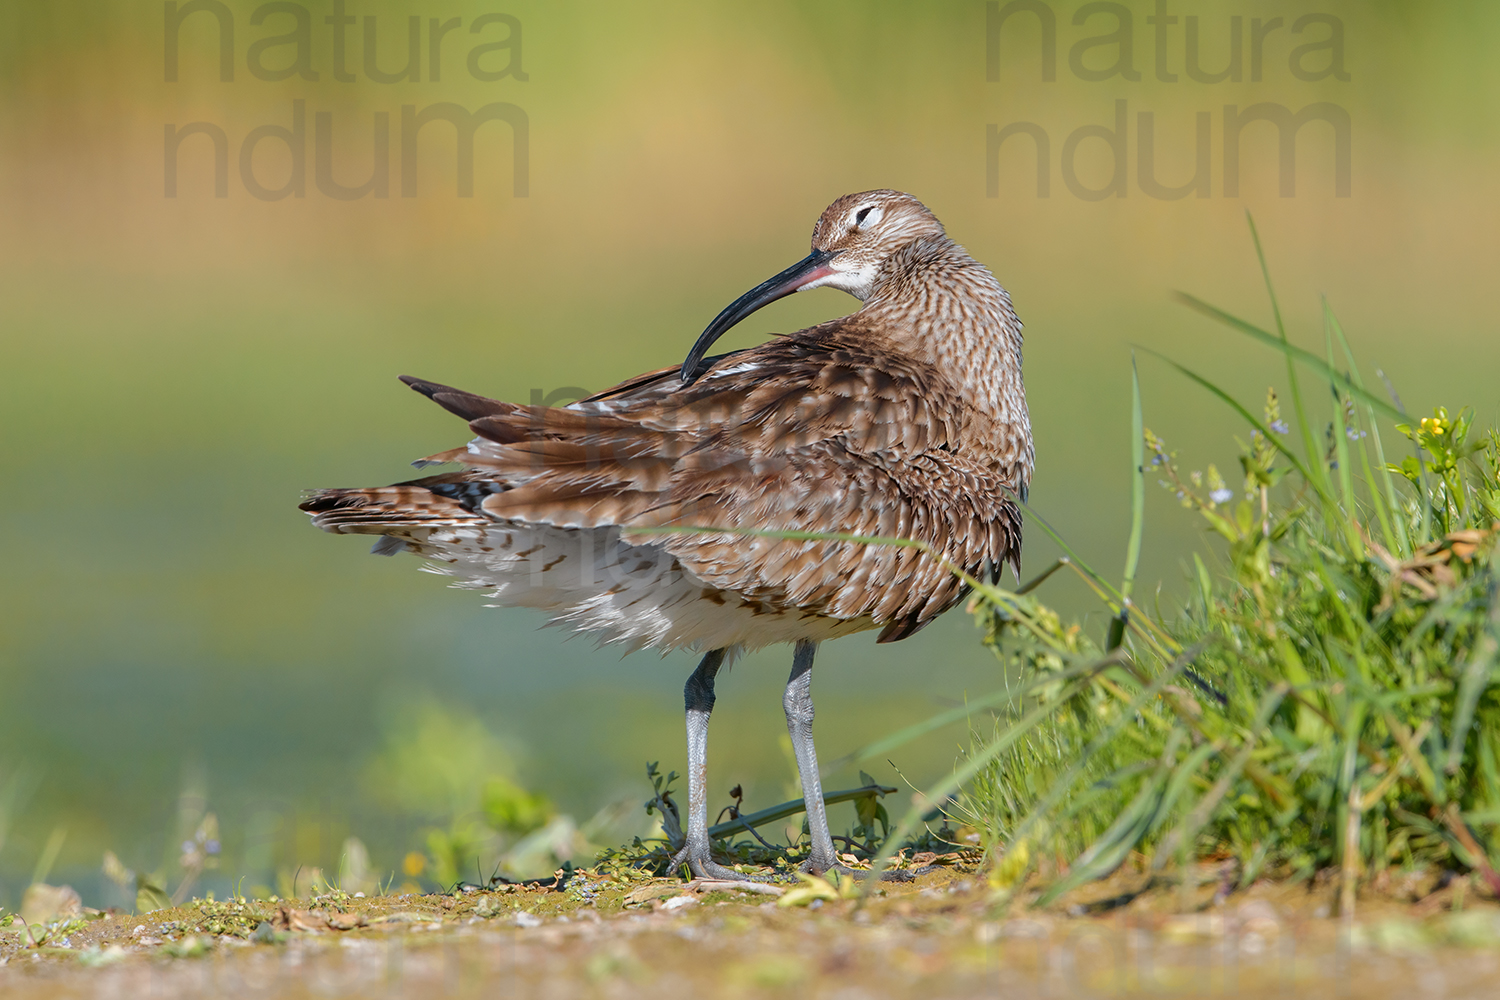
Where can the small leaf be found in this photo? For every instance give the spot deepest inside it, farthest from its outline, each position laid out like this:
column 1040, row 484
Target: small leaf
column 812, row 888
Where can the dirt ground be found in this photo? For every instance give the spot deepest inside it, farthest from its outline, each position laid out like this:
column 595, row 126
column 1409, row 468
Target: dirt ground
column 940, row 936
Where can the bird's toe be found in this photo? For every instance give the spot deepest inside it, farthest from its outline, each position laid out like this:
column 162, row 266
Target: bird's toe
column 718, row 873
column 704, row 867
column 890, row 875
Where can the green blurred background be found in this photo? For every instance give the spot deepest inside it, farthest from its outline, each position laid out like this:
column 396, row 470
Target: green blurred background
column 175, row 637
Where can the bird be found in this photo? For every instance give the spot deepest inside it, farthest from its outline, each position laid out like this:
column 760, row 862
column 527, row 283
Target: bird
column 694, row 506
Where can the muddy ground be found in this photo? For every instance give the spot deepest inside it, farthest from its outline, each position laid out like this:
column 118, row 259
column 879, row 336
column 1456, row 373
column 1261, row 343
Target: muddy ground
column 940, row 936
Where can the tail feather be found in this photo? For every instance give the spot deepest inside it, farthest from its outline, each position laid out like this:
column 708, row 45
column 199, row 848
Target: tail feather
column 468, row 405
column 383, row 510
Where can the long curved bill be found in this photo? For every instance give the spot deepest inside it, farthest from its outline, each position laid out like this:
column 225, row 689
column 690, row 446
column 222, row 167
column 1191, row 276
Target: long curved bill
column 801, row 274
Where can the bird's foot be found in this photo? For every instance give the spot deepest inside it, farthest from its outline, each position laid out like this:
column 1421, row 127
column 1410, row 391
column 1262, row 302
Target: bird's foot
column 702, row 866
column 811, row 867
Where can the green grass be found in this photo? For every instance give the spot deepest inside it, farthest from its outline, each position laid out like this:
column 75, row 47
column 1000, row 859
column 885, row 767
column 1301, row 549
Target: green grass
column 1327, row 697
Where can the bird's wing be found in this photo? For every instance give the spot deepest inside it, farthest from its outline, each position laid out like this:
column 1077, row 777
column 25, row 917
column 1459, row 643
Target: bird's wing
column 810, row 433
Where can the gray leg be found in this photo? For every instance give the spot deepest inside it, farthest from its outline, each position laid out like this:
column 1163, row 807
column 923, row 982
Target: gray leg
column 698, row 696
column 799, row 719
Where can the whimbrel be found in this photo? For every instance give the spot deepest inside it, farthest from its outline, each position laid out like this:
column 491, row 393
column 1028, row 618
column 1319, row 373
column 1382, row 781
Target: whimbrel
column 906, row 419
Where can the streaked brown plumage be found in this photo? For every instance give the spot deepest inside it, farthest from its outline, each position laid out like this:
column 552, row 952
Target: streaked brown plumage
column 905, row 419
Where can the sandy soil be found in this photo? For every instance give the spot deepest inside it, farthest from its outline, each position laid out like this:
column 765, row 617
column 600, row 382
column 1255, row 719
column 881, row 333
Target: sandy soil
column 938, row 937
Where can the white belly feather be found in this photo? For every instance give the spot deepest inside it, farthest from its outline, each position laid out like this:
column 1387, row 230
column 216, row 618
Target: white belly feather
column 638, row 596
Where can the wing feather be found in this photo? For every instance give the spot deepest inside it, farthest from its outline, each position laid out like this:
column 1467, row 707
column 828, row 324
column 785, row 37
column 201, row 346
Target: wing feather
column 816, row 432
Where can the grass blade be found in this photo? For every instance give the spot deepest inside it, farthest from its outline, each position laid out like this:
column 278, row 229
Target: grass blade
column 1349, row 514
column 1291, row 351
column 1137, row 483
column 1387, row 507
column 791, row 808
column 1475, row 679
column 1064, row 782
column 1137, row 506
column 1309, row 442
column 1057, row 539
column 1114, row 845
column 1185, row 831
column 1253, row 420
column 972, row 767
column 905, row 735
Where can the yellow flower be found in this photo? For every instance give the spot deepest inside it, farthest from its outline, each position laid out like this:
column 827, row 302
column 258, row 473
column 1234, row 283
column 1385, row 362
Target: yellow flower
column 1011, row 867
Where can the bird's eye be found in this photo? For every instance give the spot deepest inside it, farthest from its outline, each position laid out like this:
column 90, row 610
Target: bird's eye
column 859, row 217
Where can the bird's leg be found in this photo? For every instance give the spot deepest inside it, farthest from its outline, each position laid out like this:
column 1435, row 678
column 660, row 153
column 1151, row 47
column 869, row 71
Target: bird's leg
column 799, row 719
column 698, row 696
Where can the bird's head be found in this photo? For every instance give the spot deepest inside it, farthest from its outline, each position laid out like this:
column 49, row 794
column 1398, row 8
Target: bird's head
column 852, row 239
column 859, row 232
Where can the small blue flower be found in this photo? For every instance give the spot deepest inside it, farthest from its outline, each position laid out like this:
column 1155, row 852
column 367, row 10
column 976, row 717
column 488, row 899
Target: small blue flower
column 1354, row 433
column 1221, row 495
column 1280, row 427
column 212, row 847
